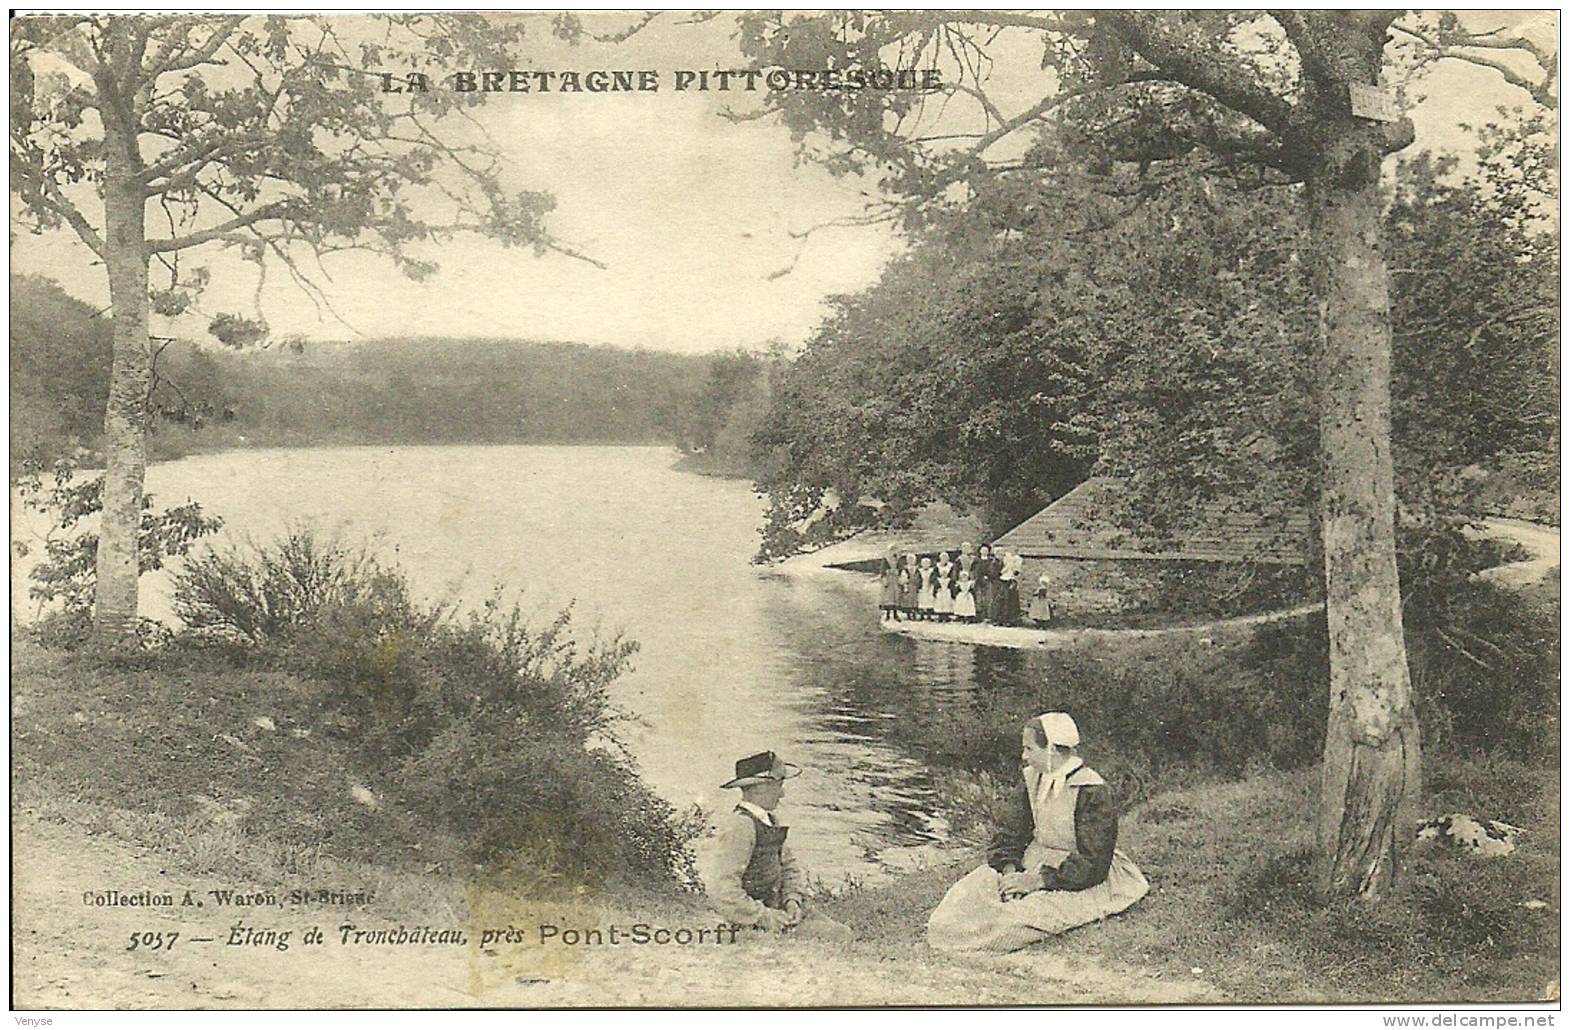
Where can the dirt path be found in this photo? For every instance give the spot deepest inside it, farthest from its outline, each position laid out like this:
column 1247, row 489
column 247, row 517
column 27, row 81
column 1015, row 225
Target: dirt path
column 69, row 954
column 1542, row 541
column 72, row 955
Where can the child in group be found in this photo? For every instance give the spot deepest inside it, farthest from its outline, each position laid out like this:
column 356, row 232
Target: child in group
column 964, row 600
column 888, row 597
column 1041, row 601
column 943, row 603
column 910, row 587
column 927, row 591
column 966, row 560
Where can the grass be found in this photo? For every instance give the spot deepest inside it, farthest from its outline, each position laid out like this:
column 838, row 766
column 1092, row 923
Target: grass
column 1229, row 867
column 242, row 856
column 172, row 758
column 180, row 741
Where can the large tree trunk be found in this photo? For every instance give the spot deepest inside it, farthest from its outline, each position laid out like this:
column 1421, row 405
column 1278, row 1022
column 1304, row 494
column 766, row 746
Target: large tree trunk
column 1371, row 763
column 125, row 418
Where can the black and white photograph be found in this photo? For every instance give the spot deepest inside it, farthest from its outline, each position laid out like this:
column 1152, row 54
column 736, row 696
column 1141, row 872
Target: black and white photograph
column 791, row 509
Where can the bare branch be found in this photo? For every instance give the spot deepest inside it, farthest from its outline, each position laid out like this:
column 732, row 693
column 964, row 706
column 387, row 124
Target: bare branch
column 848, row 222
column 1456, row 45
column 566, row 250
column 1008, row 125
column 628, row 33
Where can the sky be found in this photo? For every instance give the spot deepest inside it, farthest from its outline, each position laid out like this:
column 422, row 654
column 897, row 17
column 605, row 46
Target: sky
column 691, row 214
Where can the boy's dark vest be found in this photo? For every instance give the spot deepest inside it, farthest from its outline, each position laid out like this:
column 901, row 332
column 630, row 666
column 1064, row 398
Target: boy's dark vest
column 763, row 876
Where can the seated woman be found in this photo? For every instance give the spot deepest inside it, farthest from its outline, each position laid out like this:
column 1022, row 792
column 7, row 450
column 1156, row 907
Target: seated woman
column 1053, row 865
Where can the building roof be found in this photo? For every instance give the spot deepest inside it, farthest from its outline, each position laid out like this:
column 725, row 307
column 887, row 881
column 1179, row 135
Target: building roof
column 1081, row 524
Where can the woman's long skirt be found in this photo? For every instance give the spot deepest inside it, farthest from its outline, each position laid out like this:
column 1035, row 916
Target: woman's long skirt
column 971, row 917
column 985, row 601
column 1007, row 603
column 888, row 597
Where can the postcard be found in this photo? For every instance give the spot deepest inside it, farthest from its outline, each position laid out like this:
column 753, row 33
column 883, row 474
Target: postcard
column 756, row 509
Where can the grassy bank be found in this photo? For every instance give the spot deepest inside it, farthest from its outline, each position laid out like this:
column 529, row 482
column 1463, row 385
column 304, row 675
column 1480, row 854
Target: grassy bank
column 259, row 758
column 243, row 776
column 1231, row 904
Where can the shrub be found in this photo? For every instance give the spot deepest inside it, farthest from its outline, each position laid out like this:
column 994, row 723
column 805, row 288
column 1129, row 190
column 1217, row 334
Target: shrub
column 1152, row 713
column 69, row 629
column 486, row 726
column 64, row 579
column 1485, row 669
column 1222, row 590
column 262, row 596
column 1458, row 917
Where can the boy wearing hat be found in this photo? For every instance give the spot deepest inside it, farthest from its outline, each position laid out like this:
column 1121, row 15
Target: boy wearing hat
column 748, row 872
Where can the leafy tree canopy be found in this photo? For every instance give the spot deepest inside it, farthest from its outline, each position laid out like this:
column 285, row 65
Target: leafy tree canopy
column 1161, row 327
column 267, row 134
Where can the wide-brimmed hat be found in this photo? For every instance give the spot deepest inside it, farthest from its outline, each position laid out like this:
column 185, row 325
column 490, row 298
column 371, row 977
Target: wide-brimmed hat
column 760, row 768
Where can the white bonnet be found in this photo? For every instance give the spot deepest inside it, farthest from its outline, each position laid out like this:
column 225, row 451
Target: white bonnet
column 1060, row 729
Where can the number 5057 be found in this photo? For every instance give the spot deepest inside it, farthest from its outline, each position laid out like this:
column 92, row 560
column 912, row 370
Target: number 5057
column 152, row 941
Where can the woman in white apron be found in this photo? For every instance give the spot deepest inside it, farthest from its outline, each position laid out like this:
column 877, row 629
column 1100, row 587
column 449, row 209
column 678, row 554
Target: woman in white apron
column 1053, row 866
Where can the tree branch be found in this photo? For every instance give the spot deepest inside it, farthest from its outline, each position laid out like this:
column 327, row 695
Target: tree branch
column 627, row 33
column 1206, row 69
column 193, row 160
column 222, row 231
column 1455, row 46
column 1008, row 125
column 42, row 188
column 202, row 54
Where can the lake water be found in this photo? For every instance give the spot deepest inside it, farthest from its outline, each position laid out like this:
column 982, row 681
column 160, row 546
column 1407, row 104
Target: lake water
column 733, row 658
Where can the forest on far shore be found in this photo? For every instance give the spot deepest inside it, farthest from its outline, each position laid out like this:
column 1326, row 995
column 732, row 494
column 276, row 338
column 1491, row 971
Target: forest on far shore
column 208, row 396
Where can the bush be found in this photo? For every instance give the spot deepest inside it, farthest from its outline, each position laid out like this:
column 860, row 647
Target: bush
column 1451, row 916
column 263, row 596
column 1152, row 713
column 70, row 629
column 1222, row 590
column 1485, row 669
column 499, row 731
column 65, row 577
column 1484, row 662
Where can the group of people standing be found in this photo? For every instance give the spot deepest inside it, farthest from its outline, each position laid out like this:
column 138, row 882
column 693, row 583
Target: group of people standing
column 972, row 586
